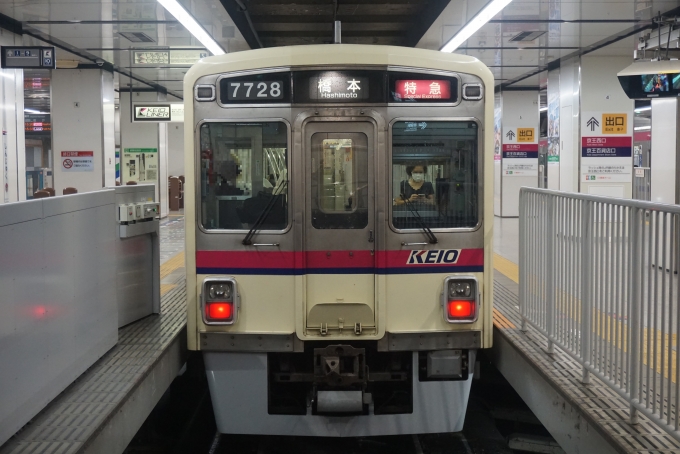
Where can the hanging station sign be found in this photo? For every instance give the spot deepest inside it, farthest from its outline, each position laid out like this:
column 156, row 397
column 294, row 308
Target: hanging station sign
column 180, row 57
column 158, row 112
column 27, row 57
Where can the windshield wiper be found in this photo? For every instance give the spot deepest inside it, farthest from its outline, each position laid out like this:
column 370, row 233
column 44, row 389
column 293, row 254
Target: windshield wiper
column 247, row 241
column 424, row 227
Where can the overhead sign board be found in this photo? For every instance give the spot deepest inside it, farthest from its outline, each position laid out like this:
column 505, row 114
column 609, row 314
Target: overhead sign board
column 185, row 57
column 158, row 112
column 27, row 57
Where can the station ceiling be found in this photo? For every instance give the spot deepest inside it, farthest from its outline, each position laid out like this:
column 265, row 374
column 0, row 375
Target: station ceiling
column 117, row 32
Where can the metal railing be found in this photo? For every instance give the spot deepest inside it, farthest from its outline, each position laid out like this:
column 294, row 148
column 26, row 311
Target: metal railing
column 642, row 183
column 599, row 278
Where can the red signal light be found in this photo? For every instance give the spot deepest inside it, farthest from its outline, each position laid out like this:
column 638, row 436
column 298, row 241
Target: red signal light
column 220, row 311
column 461, row 309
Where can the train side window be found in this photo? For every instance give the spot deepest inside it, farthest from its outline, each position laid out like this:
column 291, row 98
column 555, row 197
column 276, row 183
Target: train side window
column 339, row 181
column 435, row 168
column 243, row 170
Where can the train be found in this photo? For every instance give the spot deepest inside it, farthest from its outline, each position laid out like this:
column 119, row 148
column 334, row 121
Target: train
column 338, row 219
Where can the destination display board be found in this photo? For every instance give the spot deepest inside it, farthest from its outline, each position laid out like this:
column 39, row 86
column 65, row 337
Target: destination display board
column 339, row 87
column 27, row 57
column 346, row 86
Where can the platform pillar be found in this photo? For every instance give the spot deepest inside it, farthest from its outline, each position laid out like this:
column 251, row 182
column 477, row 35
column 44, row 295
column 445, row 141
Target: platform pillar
column 605, row 148
column 516, row 159
column 12, row 139
column 665, row 161
column 553, row 161
column 83, row 146
column 144, row 147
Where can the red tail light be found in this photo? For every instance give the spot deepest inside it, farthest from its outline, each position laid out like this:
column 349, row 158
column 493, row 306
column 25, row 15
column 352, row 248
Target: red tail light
column 461, row 309
column 219, row 310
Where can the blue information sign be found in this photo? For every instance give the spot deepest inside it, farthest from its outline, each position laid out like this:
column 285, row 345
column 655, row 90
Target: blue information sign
column 27, row 57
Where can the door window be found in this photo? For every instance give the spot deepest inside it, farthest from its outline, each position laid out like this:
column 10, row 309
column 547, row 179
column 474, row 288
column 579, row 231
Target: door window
column 339, row 181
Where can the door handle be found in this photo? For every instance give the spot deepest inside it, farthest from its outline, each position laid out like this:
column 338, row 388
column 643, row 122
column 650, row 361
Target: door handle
column 370, row 236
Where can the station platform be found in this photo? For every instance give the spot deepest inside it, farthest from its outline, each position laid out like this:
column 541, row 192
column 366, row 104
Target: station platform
column 585, row 418
column 106, row 406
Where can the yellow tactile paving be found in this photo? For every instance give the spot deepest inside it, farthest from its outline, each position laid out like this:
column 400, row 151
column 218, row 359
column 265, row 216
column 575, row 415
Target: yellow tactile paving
column 506, row 267
column 501, row 322
column 165, row 288
column 172, row 264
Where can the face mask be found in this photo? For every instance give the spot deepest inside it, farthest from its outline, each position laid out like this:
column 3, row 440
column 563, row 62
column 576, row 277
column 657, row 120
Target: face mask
column 418, row 177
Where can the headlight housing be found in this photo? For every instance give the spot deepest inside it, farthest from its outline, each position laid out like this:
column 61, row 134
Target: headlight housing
column 461, row 299
column 219, row 301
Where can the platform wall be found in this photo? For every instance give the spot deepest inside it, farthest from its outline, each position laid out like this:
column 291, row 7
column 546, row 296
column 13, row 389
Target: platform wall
column 58, row 311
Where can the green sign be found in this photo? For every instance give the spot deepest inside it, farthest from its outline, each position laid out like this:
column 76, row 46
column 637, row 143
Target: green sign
column 553, row 159
column 140, row 150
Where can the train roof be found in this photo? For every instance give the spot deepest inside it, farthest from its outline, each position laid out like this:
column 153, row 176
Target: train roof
column 336, row 54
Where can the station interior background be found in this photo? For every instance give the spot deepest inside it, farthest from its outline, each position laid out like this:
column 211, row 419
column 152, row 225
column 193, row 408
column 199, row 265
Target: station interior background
column 541, row 49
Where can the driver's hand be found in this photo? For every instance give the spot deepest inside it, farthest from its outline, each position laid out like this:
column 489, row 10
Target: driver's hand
column 413, row 198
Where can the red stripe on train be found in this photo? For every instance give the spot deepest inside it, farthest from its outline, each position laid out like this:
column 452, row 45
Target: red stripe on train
column 339, row 259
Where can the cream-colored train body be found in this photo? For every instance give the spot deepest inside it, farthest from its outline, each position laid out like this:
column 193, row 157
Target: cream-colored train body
column 338, row 236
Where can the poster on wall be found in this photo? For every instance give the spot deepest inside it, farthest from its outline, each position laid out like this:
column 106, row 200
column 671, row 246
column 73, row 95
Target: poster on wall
column 5, row 166
column 497, row 130
column 520, row 152
column 140, row 165
column 553, row 127
column 77, row 161
column 606, row 148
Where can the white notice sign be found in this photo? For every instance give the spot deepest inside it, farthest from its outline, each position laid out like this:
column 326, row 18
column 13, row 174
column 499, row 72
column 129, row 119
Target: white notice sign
column 77, row 161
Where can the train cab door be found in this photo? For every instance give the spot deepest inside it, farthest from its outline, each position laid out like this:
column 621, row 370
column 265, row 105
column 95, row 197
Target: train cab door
column 339, row 233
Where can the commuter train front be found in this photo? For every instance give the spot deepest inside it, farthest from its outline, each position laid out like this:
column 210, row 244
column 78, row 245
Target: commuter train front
column 338, row 225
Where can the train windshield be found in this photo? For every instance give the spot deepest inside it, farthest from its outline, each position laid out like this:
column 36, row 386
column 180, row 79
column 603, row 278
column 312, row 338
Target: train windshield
column 435, row 174
column 244, row 174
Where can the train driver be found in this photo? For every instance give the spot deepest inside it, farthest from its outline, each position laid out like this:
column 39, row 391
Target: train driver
column 415, row 189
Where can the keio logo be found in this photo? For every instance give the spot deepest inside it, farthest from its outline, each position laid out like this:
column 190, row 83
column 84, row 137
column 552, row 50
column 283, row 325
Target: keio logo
column 433, row 257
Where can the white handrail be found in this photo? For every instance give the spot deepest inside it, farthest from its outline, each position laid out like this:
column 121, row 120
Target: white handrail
column 598, row 278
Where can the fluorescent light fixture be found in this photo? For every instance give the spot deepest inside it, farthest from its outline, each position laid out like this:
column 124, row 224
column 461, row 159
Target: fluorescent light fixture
column 37, row 112
column 190, row 24
column 485, row 15
column 643, row 128
column 643, row 109
column 543, row 109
